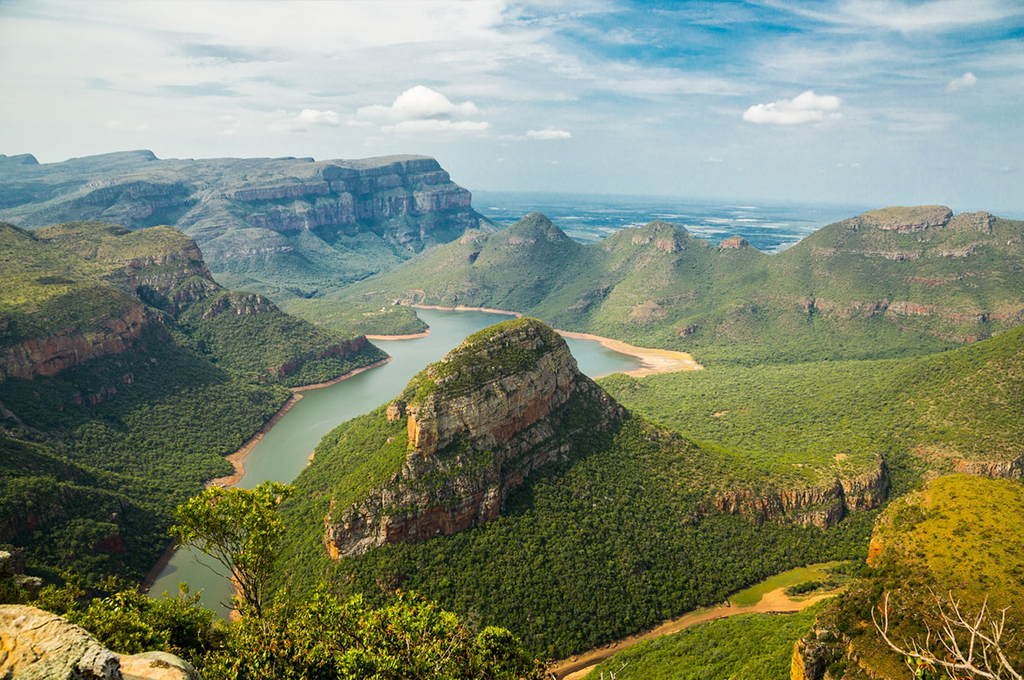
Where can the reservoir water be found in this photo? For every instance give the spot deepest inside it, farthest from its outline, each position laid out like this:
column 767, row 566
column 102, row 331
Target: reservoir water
column 284, row 451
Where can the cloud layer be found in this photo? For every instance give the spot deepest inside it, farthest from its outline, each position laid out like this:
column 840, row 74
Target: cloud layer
column 588, row 97
column 807, row 107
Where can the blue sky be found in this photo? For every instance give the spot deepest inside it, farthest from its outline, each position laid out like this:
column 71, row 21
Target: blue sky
column 870, row 102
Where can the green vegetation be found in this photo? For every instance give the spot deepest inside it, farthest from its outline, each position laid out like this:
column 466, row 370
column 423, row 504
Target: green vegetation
column 482, row 357
column 747, row 647
column 957, row 539
column 318, row 636
column 239, row 529
column 314, row 636
column 146, row 443
column 47, row 290
column 353, row 318
column 269, row 345
column 832, row 419
column 96, row 457
column 109, row 243
column 852, row 290
column 586, row 551
column 794, row 578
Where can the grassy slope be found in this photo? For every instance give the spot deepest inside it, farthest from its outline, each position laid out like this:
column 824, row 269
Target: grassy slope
column 834, row 417
column 46, row 290
column 356, row 318
column 109, row 243
column 658, row 285
column 748, row 647
column 958, row 536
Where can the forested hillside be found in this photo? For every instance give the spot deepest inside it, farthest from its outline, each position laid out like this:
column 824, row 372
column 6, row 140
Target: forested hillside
column 888, row 283
column 126, row 375
column 618, row 529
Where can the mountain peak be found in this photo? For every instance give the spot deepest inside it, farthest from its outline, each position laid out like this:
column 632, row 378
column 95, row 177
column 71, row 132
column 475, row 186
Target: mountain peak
column 904, row 219
column 507, row 401
column 535, row 227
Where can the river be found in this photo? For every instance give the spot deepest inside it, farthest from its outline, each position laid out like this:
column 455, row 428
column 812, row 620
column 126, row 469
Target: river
column 284, row 450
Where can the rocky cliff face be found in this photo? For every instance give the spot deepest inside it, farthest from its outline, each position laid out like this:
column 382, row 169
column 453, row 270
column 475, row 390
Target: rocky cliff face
column 51, row 354
column 242, row 210
column 478, row 422
column 820, row 506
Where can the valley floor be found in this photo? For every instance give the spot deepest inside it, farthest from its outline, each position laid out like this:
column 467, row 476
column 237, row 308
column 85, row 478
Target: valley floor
column 772, row 602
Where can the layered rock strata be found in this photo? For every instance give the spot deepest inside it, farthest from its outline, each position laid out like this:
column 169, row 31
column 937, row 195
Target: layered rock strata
column 821, row 506
column 49, row 355
column 409, row 201
column 503, row 404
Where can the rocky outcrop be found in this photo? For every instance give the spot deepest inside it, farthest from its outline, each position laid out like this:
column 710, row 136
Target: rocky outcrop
column 38, row 645
column 821, row 506
column 503, row 404
column 240, row 304
column 51, row 354
column 906, row 220
column 734, row 243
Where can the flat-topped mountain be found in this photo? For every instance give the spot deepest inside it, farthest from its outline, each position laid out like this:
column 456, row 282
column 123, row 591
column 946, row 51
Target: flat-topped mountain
column 282, row 225
column 890, row 282
column 502, row 404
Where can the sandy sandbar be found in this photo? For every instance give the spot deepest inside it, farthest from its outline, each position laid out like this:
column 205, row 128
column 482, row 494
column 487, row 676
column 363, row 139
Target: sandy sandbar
column 652, row 360
column 774, row 602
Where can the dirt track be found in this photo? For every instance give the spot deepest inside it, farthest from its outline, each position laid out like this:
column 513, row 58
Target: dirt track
column 774, row 602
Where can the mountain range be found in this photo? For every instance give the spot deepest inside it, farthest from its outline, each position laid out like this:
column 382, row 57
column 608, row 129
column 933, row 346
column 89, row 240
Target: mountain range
column 890, row 282
column 845, row 379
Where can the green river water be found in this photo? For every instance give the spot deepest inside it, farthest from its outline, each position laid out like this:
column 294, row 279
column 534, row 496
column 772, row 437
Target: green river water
column 284, row 450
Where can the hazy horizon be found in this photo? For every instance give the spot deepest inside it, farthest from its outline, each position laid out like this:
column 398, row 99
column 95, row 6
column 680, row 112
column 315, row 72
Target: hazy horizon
column 865, row 102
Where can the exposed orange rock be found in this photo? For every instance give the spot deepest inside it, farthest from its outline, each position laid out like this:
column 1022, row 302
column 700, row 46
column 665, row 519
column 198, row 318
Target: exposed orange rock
column 469, row 448
column 49, row 355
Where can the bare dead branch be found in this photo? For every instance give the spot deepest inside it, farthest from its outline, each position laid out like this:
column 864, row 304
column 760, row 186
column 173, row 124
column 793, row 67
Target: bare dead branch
column 981, row 654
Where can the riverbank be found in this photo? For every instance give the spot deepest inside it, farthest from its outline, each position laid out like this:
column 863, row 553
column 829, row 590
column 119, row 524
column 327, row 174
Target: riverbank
column 238, row 457
column 460, row 308
column 652, row 360
column 407, row 336
column 773, row 602
column 344, row 376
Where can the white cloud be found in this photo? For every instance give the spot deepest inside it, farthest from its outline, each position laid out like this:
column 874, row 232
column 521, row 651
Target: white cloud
column 804, row 108
column 435, row 125
column 966, row 80
column 548, row 134
column 418, row 103
column 305, row 120
column 933, row 16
